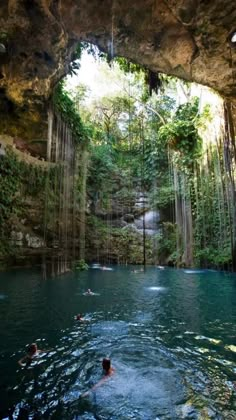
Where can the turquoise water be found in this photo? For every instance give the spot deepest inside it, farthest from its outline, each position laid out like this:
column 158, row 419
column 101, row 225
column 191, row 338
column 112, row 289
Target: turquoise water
column 169, row 333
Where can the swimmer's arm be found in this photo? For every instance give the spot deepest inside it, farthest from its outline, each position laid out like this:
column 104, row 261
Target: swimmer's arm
column 23, row 361
column 97, row 385
column 105, row 378
column 85, row 394
column 82, row 319
column 44, row 351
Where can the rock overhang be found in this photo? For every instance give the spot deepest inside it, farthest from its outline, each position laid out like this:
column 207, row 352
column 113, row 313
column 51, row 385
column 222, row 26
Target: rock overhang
column 189, row 39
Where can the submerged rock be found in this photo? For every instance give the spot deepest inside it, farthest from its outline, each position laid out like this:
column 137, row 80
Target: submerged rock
column 187, row 411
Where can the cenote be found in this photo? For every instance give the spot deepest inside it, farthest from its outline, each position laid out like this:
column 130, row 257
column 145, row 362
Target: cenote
column 117, row 206
column 170, row 336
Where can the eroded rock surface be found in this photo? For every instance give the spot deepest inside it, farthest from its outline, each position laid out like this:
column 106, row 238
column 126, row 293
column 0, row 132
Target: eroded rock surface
column 185, row 38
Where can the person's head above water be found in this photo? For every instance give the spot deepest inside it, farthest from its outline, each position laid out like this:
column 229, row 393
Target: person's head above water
column 106, row 364
column 89, row 291
column 32, row 349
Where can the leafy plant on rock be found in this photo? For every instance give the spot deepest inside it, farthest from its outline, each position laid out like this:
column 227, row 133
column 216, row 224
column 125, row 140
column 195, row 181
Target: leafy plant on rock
column 181, row 135
column 9, row 186
column 68, row 111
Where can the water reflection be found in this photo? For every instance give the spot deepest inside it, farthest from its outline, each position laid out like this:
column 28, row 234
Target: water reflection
column 156, row 289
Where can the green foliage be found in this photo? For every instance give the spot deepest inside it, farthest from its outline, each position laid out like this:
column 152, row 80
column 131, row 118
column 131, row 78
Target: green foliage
column 93, row 50
column 212, row 214
column 37, row 175
column 181, row 134
column 166, row 244
column 20, row 182
column 213, row 257
column 153, row 80
column 163, row 197
column 75, row 65
column 79, row 94
column 125, row 245
column 188, row 111
column 80, row 265
column 129, row 67
column 67, row 109
column 101, row 168
column 9, row 186
column 3, row 36
column 205, row 117
column 143, row 143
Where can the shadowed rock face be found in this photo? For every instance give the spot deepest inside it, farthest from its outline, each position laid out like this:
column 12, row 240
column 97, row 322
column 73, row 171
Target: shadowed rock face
column 185, row 38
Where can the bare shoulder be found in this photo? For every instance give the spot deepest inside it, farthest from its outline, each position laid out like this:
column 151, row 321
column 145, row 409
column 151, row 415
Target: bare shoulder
column 111, row 371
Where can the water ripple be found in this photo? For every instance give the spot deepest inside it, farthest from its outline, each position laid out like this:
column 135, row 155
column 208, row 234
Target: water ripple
column 173, row 352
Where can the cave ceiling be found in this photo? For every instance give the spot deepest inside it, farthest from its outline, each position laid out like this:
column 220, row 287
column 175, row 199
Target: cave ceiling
column 189, row 39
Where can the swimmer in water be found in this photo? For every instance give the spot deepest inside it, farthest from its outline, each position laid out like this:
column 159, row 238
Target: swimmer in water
column 161, row 267
column 32, row 352
column 108, row 371
column 138, row 271
column 80, row 318
column 89, row 292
